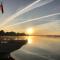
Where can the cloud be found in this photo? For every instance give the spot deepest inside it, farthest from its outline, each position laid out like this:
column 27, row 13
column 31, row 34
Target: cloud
column 26, row 9
column 36, row 20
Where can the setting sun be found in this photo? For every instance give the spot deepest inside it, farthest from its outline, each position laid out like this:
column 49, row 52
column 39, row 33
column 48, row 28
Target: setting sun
column 29, row 31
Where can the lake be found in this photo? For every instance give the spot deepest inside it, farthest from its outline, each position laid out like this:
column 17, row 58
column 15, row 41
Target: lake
column 41, row 48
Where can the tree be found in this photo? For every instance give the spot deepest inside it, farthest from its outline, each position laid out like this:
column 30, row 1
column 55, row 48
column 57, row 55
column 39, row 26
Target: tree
column 2, row 33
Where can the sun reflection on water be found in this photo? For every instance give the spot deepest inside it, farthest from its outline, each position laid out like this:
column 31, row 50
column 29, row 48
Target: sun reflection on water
column 29, row 40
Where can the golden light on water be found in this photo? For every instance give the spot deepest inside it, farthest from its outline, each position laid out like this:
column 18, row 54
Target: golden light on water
column 29, row 40
column 30, row 32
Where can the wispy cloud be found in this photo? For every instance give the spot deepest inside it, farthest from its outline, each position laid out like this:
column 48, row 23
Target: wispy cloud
column 26, row 9
column 36, row 19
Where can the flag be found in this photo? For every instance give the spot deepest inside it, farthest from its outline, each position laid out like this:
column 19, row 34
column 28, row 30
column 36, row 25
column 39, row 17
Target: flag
column 1, row 8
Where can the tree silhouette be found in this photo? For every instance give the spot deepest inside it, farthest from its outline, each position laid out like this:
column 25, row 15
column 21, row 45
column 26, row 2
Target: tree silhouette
column 2, row 32
column 9, row 35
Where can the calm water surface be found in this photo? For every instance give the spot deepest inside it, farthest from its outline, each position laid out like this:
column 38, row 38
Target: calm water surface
column 41, row 48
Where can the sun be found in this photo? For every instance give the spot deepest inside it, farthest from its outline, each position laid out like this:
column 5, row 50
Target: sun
column 29, row 31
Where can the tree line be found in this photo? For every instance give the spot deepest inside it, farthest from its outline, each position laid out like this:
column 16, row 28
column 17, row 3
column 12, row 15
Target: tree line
column 3, row 33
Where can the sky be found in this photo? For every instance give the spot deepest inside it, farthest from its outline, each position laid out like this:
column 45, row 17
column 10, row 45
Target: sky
column 43, row 16
column 46, row 10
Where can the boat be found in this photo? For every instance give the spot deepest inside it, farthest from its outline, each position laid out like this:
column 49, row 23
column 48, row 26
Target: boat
column 8, row 46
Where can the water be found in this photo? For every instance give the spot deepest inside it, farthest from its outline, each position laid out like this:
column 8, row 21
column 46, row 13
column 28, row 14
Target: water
column 41, row 48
